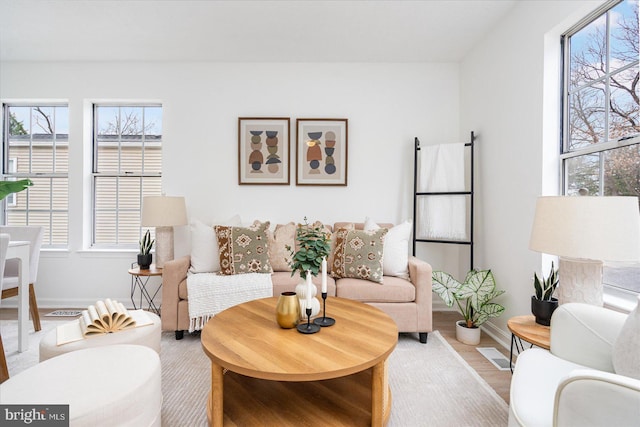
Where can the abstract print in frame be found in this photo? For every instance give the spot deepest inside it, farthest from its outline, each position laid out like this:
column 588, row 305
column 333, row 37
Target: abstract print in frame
column 321, row 151
column 263, row 150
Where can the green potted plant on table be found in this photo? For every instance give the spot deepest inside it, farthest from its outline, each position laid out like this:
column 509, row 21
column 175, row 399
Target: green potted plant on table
column 473, row 298
column 145, row 257
column 313, row 247
column 543, row 303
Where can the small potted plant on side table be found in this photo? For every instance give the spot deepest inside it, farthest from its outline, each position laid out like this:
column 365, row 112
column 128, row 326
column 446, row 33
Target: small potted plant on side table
column 543, row 303
column 473, row 298
column 145, row 257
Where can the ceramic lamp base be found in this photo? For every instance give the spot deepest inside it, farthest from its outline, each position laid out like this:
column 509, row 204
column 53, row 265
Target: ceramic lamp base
column 580, row 281
column 164, row 245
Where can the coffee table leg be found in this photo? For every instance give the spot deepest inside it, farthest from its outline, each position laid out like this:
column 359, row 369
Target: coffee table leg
column 216, row 405
column 379, row 395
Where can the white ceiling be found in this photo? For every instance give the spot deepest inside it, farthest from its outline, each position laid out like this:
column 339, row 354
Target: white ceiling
column 258, row 31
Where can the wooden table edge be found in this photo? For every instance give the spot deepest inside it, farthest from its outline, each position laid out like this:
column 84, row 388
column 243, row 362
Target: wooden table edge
column 542, row 340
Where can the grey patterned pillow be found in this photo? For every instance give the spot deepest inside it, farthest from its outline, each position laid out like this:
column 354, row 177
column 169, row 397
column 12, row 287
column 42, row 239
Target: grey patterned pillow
column 243, row 249
column 358, row 254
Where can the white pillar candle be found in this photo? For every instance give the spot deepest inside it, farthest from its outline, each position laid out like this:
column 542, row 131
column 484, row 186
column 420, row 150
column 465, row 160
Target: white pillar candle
column 309, row 285
column 324, row 275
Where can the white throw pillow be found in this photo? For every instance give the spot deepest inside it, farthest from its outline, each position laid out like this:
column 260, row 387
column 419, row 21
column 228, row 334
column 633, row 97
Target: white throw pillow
column 204, row 245
column 626, row 357
column 395, row 260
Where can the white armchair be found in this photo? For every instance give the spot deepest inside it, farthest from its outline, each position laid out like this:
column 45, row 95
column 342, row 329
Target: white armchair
column 590, row 377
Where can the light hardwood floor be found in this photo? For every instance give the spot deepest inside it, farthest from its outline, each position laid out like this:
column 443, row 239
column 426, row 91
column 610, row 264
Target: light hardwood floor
column 500, row 381
column 444, row 322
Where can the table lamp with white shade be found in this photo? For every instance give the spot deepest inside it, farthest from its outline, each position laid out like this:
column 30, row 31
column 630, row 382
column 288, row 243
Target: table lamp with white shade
column 163, row 213
column 585, row 231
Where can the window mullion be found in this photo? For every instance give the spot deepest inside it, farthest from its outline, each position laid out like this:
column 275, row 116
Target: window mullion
column 607, row 83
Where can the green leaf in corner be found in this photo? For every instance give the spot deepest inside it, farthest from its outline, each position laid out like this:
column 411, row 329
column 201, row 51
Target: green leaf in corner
column 445, row 286
column 9, row 187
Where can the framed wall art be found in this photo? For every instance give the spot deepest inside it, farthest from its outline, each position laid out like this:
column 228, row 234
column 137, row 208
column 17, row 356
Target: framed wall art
column 263, row 151
column 321, row 152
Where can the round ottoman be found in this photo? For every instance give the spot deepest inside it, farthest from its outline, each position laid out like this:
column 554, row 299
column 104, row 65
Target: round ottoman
column 148, row 335
column 114, row 385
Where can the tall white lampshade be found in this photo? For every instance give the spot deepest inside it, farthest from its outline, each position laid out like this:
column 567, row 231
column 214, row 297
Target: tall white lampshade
column 583, row 232
column 163, row 212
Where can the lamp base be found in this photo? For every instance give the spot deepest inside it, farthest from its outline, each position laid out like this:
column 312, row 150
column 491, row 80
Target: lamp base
column 164, row 245
column 580, row 281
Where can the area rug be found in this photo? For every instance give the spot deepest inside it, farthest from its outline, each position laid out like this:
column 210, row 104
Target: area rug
column 431, row 384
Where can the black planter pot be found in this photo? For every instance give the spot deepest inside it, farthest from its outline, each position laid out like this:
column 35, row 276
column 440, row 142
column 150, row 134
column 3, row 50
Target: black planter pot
column 543, row 310
column 144, row 261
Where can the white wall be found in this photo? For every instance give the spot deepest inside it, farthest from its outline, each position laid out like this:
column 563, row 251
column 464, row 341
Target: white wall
column 509, row 93
column 387, row 106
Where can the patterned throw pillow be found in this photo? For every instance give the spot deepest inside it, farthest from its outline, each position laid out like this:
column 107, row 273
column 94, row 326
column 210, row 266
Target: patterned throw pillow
column 243, row 249
column 358, row 254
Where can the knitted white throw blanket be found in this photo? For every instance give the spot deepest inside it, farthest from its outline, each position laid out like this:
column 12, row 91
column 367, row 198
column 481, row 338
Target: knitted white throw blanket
column 210, row 293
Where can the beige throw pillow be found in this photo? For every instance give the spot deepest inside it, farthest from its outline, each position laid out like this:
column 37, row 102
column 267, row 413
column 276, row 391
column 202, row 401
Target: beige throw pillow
column 243, row 249
column 358, row 254
column 284, row 235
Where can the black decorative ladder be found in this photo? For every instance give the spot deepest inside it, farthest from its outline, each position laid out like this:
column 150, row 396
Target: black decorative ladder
column 469, row 193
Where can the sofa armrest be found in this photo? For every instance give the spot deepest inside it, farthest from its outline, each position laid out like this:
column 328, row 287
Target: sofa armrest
column 173, row 272
column 420, row 275
column 585, row 334
column 595, row 398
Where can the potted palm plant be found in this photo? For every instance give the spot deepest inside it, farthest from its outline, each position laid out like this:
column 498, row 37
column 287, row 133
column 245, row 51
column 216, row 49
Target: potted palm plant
column 145, row 257
column 543, row 303
column 474, row 300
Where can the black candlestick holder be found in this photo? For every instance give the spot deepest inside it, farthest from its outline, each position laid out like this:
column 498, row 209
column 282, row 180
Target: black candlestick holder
column 324, row 320
column 308, row 328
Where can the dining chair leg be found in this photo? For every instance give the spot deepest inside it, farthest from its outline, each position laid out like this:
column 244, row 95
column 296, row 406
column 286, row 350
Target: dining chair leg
column 33, row 307
column 4, row 371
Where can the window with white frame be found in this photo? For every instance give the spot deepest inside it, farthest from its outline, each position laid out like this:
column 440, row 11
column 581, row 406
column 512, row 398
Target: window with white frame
column 36, row 146
column 600, row 153
column 12, row 169
column 127, row 165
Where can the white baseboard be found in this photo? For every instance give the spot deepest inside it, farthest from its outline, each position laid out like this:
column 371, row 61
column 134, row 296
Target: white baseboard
column 503, row 338
column 56, row 304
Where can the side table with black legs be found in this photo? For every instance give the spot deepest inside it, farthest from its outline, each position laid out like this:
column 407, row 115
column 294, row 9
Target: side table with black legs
column 140, row 279
column 525, row 328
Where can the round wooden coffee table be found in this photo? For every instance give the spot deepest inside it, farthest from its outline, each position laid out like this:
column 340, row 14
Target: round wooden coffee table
column 262, row 374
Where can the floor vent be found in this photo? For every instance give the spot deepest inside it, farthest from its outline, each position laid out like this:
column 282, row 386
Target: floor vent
column 64, row 313
column 498, row 359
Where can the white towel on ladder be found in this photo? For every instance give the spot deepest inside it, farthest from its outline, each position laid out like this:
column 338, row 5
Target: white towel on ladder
column 442, row 169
